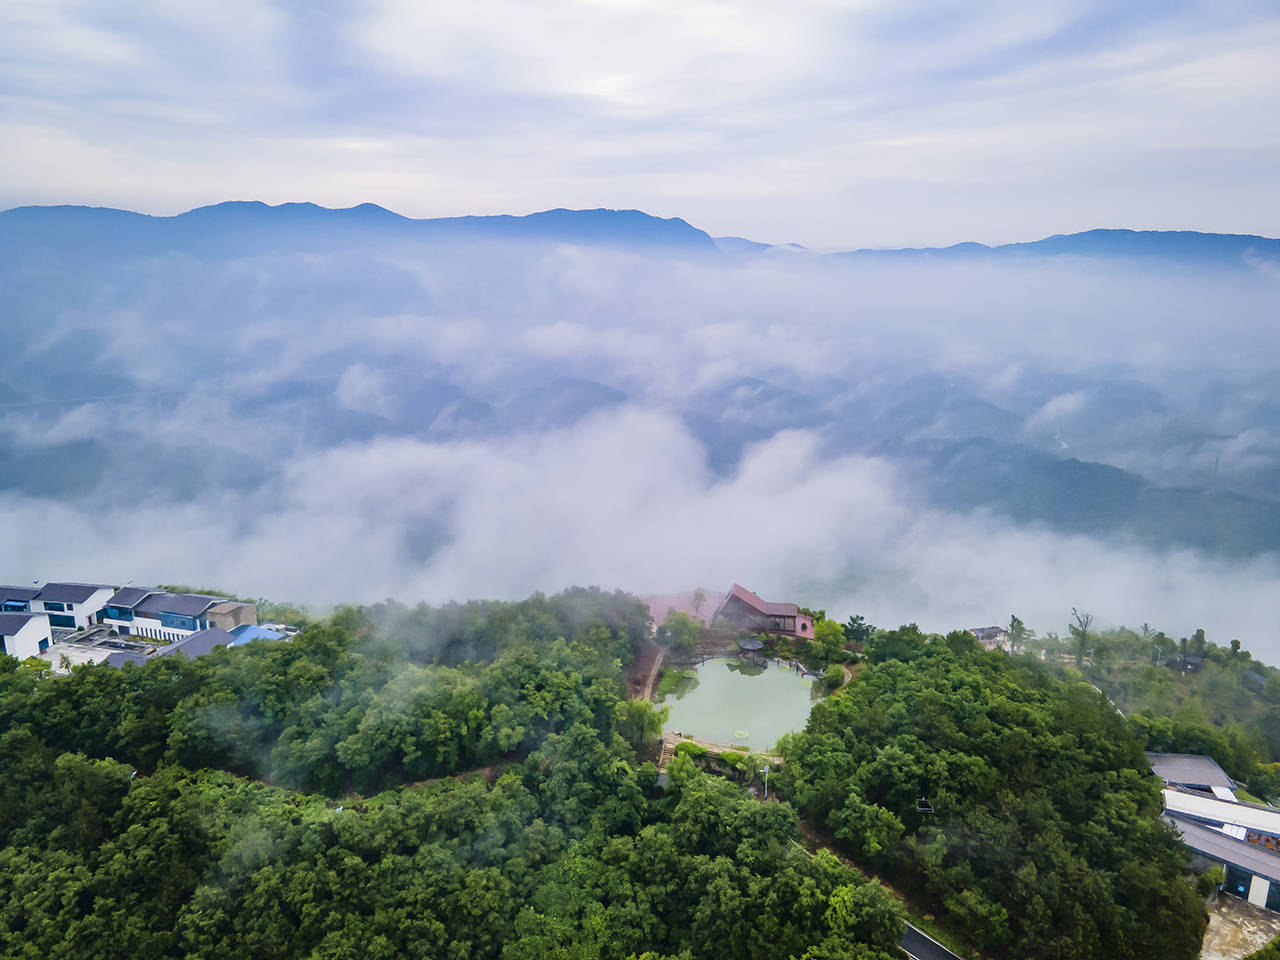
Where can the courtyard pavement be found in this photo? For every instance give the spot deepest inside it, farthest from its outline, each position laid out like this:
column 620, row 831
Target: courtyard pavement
column 1237, row 928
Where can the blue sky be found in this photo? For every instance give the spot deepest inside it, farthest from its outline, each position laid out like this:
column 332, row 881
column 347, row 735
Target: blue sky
column 827, row 123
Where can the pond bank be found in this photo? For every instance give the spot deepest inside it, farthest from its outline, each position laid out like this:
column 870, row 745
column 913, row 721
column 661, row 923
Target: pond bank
column 740, row 704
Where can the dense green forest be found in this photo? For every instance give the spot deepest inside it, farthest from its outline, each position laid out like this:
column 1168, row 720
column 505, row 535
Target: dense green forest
column 470, row 781
column 1188, row 695
column 1013, row 803
column 460, row 782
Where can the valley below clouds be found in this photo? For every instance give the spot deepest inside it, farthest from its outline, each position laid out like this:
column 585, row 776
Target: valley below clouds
column 336, row 416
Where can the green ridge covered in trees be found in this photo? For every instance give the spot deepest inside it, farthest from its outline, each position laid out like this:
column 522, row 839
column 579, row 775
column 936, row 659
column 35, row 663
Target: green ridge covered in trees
column 1015, row 805
column 462, row 782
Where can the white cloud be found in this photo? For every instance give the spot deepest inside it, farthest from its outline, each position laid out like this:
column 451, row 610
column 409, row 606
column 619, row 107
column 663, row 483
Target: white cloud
column 625, row 499
column 827, row 123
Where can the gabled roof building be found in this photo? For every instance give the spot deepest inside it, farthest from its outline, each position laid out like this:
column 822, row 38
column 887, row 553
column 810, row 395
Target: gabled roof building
column 744, row 610
column 71, row 605
column 17, row 599
column 1244, row 838
column 1193, row 772
column 158, row 615
column 24, row 635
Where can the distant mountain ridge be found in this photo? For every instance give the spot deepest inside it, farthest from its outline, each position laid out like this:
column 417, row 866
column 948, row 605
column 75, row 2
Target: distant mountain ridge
column 1168, row 244
column 307, row 224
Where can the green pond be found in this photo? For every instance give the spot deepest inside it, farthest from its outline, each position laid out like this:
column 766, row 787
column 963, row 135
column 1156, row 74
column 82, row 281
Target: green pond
column 742, row 704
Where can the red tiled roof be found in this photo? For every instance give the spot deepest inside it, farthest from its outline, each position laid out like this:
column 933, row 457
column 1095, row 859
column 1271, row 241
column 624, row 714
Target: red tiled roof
column 763, row 606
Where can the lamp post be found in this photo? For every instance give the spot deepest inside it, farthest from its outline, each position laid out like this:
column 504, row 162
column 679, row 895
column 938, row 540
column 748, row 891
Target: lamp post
column 765, row 771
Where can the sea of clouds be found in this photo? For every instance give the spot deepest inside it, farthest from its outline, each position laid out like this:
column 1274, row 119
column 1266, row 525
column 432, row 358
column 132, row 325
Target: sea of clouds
column 434, row 423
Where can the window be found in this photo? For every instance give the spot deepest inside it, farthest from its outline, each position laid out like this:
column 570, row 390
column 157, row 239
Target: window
column 54, row 605
column 1237, row 881
column 1273, row 896
column 44, row 644
column 62, row 620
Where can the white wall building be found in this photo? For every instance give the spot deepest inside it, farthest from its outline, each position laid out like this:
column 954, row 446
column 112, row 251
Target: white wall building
column 157, row 615
column 24, row 635
column 1243, row 837
column 71, row 605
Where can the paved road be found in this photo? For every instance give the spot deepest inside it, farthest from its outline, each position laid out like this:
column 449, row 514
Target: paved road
column 923, row 947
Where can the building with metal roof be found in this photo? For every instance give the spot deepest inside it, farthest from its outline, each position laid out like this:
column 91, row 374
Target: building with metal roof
column 159, row 615
column 1252, row 872
column 1211, row 810
column 1243, row 837
column 71, row 605
column 1190, row 770
column 16, row 599
column 197, row 644
column 126, row 598
column 72, row 592
column 24, row 635
column 248, row 632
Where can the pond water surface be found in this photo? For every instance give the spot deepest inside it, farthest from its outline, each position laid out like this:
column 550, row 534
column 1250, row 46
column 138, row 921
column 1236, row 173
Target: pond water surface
column 747, row 706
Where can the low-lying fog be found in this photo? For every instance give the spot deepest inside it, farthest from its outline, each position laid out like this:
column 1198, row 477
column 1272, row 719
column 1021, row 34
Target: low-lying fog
column 941, row 440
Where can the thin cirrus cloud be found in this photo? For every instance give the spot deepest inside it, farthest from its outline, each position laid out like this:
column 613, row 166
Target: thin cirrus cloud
column 828, row 123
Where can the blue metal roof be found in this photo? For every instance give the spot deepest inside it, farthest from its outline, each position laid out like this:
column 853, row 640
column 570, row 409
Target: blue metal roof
column 248, row 632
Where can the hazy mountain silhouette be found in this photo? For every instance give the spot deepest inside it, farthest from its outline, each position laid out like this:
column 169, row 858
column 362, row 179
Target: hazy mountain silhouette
column 254, row 226
column 1184, row 245
column 130, row 321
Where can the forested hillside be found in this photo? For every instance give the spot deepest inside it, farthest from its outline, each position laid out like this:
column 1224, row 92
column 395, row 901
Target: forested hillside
column 1017, row 806
column 469, row 781
column 313, row 799
column 1186, row 695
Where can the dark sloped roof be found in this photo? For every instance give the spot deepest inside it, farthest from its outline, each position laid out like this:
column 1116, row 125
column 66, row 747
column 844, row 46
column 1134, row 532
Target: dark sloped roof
column 118, row 658
column 25, row 594
column 1188, row 770
column 11, row 623
column 70, row 592
column 130, row 596
column 1216, row 844
column 183, row 604
column 199, row 643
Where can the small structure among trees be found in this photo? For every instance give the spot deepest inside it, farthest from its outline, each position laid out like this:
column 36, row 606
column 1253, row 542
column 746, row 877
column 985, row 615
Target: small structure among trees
column 741, row 609
column 737, row 609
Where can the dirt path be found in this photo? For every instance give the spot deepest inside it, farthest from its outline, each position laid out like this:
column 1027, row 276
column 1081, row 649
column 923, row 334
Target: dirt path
column 647, row 693
column 640, row 668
